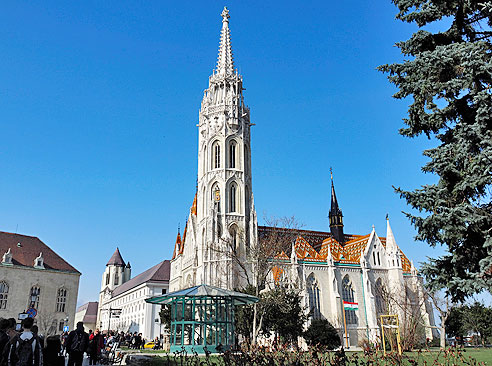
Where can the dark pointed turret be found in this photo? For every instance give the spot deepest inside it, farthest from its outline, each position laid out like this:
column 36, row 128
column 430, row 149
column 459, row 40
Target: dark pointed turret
column 116, row 259
column 335, row 216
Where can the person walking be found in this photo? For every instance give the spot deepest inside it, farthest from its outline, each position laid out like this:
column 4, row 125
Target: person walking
column 96, row 344
column 51, row 352
column 24, row 349
column 77, row 343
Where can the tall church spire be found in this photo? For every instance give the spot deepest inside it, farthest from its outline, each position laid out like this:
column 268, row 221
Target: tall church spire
column 335, row 215
column 225, row 61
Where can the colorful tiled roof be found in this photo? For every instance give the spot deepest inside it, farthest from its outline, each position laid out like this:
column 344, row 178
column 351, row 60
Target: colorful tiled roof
column 177, row 246
column 348, row 253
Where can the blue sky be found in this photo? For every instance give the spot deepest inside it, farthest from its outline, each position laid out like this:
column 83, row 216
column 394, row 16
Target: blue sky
column 99, row 104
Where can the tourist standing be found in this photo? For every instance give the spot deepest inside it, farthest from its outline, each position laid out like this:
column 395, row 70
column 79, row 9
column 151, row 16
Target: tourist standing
column 96, row 344
column 77, row 343
column 24, row 349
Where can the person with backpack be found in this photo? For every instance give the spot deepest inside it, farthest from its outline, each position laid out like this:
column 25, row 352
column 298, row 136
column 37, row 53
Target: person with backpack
column 24, row 349
column 77, row 343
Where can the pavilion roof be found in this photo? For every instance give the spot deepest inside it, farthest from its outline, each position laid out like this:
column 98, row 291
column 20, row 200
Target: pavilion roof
column 204, row 291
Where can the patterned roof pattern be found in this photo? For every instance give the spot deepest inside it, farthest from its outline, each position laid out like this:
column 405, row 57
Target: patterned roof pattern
column 177, row 246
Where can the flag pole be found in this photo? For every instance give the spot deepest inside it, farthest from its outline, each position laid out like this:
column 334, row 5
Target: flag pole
column 345, row 325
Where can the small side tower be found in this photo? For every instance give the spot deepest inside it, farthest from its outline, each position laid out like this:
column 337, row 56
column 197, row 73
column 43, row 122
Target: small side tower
column 335, row 216
column 116, row 272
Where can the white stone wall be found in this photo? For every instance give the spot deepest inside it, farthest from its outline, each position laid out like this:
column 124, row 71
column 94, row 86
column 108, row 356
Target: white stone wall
column 136, row 315
column 20, row 280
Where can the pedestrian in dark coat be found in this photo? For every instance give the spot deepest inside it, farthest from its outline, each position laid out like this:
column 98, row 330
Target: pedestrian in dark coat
column 77, row 343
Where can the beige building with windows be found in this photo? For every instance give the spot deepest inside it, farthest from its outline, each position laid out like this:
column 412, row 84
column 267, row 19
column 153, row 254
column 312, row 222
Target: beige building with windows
column 33, row 276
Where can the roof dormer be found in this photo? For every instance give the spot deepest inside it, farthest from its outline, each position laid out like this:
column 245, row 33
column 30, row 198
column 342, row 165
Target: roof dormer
column 39, row 261
column 7, row 257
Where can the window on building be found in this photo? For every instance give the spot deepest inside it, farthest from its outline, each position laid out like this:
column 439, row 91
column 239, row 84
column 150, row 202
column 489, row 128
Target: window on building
column 379, row 261
column 232, row 197
column 348, row 295
column 164, row 291
column 107, row 279
column 232, row 155
column 378, row 297
column 61, row 324
column 61, row 300
column 4, row 292
column 216, row 152
column 34, row 297
column 116, row 279
column 314, row 297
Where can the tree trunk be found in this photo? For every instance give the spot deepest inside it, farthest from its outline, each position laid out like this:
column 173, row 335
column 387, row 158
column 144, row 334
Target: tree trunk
column 442, row 337
column 253, row 342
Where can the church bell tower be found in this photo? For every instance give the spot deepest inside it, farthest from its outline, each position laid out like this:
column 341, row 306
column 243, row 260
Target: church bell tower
column 335, row 216
column 225, row 212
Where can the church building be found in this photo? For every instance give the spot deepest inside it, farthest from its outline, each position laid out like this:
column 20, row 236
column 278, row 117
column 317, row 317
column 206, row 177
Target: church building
column 331, row 269
column 122, row 305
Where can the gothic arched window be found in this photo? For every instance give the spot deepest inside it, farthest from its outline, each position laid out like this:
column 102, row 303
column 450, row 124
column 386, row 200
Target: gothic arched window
column 348, row 295
column 246, row 159
column 61, row 300
column 33, row 301
column 314, row 297
column 232, row 154
column 116, row 279
column 107, row 279
column 4, row 292
column 232, row 197
column 204, row 159
column 216, row 152
column 216, row 195
column 378, row 297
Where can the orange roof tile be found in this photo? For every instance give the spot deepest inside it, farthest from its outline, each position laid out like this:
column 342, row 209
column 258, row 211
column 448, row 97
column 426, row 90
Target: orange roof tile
column 277, row 274
column 177, row 246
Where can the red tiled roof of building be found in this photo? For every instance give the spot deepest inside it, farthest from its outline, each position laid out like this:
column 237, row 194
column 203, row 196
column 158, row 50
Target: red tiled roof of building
column 25, row 249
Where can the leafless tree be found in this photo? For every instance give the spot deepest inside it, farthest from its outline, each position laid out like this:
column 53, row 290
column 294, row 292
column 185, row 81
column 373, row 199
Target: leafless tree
column 47, row 323
column 253, row 265
column 408, row 305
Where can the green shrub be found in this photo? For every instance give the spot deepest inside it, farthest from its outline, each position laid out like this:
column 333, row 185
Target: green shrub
column 322, row 333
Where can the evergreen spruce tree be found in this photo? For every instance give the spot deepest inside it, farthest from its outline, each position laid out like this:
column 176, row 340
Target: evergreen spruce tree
column 448, row 75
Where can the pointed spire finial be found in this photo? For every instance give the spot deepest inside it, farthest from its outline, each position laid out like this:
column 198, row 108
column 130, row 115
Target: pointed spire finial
column 225, row 62
column 179, row 225
column 225, row 15
column 331, row 175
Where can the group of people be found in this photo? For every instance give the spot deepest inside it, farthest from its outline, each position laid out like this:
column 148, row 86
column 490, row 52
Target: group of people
column 27, row 348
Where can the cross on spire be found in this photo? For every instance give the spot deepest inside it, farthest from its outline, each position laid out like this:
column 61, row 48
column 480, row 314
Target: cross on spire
column 225, row 61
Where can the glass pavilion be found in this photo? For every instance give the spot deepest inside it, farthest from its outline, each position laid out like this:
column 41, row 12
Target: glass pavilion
column 202, row 317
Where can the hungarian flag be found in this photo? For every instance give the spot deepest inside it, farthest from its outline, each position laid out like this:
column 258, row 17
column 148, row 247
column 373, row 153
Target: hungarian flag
column 350, row 305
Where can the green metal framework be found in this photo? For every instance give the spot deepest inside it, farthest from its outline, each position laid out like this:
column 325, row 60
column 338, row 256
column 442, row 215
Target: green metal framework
column 202, row 317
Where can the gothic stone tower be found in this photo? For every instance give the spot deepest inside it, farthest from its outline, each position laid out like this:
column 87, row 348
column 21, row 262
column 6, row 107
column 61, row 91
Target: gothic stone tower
column 222, row 223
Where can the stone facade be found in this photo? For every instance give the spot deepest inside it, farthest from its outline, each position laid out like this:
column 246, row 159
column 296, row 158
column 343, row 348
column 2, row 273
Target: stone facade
column 33, row 276
column 327, row 267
